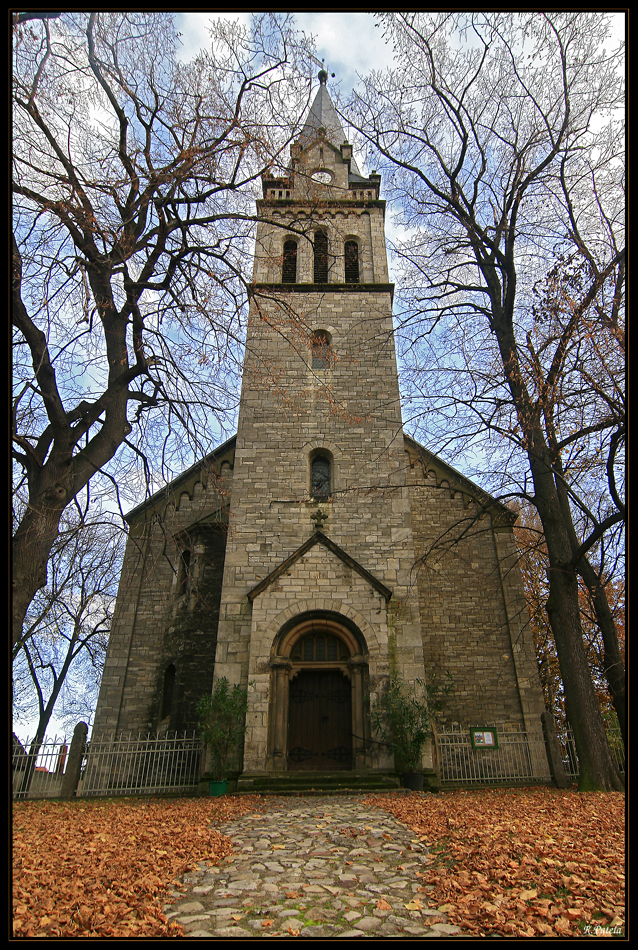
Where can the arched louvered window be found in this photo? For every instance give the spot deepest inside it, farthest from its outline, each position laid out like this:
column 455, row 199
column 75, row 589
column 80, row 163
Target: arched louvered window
column 320, row 477
column 319, row 648
column 320, row 344
column 321, row 257
column 289, row 270
column 352, row 262
column 184, row 571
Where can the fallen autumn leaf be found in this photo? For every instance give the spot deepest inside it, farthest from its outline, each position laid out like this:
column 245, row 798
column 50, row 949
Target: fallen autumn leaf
column 493, row 851
column 59, row 850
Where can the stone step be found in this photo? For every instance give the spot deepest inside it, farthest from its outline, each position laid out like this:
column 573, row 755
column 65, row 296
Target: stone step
column 294, row 783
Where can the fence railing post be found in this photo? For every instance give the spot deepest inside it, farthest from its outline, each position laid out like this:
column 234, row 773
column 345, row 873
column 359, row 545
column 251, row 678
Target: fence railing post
column 74, row 761
column 554, row 752
column 31, row 760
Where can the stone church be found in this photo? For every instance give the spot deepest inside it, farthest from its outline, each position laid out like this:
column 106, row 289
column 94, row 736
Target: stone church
column 321, row 548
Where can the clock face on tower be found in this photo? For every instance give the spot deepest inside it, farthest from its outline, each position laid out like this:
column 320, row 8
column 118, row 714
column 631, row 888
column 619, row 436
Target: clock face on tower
column 323, row 177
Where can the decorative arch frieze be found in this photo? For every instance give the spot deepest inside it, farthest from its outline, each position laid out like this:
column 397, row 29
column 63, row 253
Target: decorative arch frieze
column 444, row 476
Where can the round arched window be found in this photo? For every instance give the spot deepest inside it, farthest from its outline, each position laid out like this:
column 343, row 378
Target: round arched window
column 289, row 270
column 320, row 345
column 320, row 477
column 320, row 251
column 351, row 250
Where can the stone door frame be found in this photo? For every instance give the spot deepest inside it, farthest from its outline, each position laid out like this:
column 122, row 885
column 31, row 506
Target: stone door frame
column 283, row 670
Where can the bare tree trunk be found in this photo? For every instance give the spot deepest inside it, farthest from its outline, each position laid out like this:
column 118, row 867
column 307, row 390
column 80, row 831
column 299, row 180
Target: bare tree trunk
column 32, row 545
column 597, row 769
column 612, row 661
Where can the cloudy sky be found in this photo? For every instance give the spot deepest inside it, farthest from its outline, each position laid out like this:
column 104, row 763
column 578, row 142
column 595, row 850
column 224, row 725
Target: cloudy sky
column 350, row 43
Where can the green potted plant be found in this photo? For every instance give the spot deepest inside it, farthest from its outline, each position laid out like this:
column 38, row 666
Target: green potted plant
column 402, row 720
column 222, row 720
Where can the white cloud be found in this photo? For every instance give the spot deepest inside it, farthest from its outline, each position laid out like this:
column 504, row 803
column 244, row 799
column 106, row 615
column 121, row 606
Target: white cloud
column 349, row 43
column 193, row 28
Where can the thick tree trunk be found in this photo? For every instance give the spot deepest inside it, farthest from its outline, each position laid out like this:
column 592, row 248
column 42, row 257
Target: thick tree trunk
column 597, row 769
column 31, row 549
column 612, row 661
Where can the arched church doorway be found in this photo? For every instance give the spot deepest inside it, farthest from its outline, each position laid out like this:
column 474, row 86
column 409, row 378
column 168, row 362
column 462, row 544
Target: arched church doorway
column 319, row 722
column 319, row 671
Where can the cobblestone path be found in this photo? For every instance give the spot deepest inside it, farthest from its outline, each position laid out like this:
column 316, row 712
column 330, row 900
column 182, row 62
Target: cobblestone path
column 313, row 867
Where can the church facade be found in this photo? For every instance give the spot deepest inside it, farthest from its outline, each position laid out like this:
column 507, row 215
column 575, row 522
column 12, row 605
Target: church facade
column 321, row 549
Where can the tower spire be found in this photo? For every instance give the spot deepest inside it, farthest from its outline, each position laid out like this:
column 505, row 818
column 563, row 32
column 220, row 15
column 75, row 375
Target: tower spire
column 323, row 115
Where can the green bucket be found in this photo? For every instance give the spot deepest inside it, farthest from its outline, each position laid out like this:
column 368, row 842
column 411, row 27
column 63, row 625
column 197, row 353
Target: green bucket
column 218, row 788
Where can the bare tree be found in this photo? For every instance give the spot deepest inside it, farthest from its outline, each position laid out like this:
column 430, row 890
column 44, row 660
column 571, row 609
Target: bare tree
column 532, row 549
column 500, row 141
column 58, row 663
column 133, row 185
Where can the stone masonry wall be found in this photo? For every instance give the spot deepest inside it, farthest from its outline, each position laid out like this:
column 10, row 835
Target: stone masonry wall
column 351, row 411
column 472, row 609
column 163, row 619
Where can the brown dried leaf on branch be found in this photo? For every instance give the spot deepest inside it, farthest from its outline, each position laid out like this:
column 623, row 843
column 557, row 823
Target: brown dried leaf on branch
column 99, row 869
column 522, row 862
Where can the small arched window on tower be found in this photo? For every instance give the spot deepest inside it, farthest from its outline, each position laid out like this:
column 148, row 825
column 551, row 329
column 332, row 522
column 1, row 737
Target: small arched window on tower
column 320, row 477
column 321, row 257
column 184, row 571
column 289, row 270
column 320, row 344
column 351, row 249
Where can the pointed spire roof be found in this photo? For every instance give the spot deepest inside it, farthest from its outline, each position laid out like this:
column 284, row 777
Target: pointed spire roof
column 323, row 115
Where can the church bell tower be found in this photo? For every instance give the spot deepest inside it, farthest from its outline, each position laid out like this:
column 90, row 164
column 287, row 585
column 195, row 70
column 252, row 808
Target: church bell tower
column 318, row 605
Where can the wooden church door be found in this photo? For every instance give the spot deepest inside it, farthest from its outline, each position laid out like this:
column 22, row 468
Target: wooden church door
column 320, row 721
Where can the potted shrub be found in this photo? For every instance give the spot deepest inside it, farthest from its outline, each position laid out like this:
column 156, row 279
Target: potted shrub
column 222, row 720
column 402, row 720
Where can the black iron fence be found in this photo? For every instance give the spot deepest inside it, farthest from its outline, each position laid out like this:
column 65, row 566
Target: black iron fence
column 126, row 765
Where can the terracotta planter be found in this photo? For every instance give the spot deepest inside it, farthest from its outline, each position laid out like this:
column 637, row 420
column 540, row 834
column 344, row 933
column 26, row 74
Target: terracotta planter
column 218, row 788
